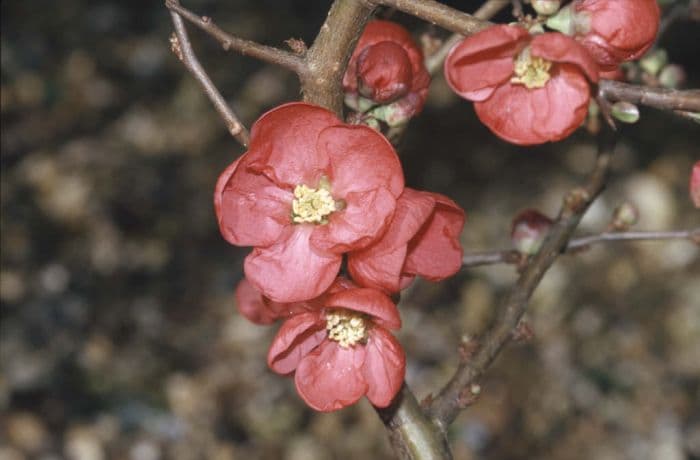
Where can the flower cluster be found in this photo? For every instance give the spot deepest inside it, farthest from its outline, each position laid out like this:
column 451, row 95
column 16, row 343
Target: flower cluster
column 310, row 193
column 529, row 86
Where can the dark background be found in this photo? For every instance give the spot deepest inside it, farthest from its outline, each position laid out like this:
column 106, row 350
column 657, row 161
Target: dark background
column 119, row 335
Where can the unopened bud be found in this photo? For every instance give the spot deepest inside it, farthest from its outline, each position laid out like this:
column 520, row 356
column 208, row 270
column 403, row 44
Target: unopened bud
column 653, row 62
column 624, row 111
column 625, row 216
column 530, row 228
column 672, row 76
column 546, row 7
column 567, row 22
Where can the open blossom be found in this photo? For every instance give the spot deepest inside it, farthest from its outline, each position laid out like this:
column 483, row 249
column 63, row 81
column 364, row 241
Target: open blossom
column 423, row 239
column 308, row 189
column 387, row 67
column 695, row 184
column 527, row 89
column 613, row 31
column 342, row 350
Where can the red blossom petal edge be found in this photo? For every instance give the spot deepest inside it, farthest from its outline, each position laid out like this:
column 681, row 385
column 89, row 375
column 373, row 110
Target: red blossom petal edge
column 695, row 185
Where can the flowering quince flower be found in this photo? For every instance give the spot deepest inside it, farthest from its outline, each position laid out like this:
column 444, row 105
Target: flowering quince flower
column 423, row 239
column 387, row 68
column 343, row 350
column 695, row 185
column 527, row 89
column 308, row 189
column 613, row 31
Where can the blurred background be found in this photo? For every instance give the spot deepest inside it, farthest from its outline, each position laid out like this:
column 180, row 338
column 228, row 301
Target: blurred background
column 120, row 338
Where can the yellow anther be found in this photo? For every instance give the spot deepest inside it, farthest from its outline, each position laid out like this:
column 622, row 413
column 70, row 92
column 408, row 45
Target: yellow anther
column 312, row 205
column 531, row 71
column 345, row 327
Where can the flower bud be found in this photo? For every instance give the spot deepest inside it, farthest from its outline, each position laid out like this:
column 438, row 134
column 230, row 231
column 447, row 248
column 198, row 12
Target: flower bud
column 654, row 62
column 546, row 7
column 625, row 216
column 624, row 111
column 672, row 76
column 530, row 228
column 613, row 31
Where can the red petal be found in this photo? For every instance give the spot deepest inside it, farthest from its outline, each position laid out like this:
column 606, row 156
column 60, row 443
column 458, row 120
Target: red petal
column 563, row 104
column 534, row 116
column 369, row 301
column 361, row 160
column 330, row 377
column 365, row 217
column 290, row 270
column 380, row 264
column 251, row 209
column 283, row 144
column 384, row 368
column 436, row 252
column 483, row 61
column 251, row 304
column 295, row 339
column 695, row 185
column 384, row 72
column 558, row 47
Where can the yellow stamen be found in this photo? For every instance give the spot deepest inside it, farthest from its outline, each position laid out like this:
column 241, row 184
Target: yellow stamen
column 313, row 205
column 345, row 327
column 532, row 72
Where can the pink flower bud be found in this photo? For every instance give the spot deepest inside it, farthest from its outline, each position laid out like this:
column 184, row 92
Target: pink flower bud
column 530, row 228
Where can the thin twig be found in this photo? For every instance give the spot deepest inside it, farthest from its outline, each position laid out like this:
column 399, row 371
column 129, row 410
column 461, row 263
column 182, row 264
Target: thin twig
column 513, row 257
column 265, row 53
column 182, row 48
column 437, row 13
column 450, row 401
column 659, row 98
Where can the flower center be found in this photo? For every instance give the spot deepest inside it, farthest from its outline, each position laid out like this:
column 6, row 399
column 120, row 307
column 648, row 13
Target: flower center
column 531, row 71
column 345, row 327
column 313, row 205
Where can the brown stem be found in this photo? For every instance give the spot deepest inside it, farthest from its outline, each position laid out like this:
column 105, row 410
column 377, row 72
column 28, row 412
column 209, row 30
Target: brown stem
column 328, row 57
column 182, row 48
column 511, row 256
column 437, row 13
column 449, row 402
column 659, row 98
column 412, row 434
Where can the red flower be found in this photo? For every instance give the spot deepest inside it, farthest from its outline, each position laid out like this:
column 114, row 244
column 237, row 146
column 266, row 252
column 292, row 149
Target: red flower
column 527, row 89
column 423, row 239
column 614, row 31
column 342, row 351
column 309, row 189
column 695, row 184
column 387, row 66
